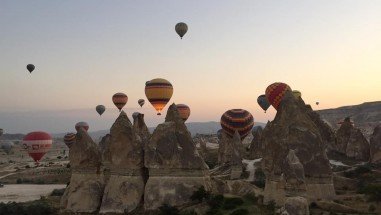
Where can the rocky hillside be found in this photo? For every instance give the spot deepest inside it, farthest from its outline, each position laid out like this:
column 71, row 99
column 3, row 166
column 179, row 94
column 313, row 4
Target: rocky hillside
column 365, row 116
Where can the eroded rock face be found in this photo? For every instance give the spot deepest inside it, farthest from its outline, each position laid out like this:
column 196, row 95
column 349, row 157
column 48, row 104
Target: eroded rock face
column 351, row 142
column 84, row 193
column 256, row 144
column 375, row 145
column 125, row 187
column 296, row 206
column 140, row 127
column 293, row 129
column 176, row 169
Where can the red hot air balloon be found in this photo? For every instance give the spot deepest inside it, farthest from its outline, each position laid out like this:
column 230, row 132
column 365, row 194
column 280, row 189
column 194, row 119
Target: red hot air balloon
column 38, row 144
column 237, row 120
column 275, row 93
column 184, row 111
column 83, row 125
column 119, row 99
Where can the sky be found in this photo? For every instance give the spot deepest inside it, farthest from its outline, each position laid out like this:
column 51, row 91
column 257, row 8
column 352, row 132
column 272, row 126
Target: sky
column 85, row 51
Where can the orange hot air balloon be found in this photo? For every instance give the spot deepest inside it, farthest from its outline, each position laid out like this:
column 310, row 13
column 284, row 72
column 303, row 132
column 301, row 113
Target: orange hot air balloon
column 119, row 99
column 184, row 111
column 158, row 91
column 38, row 144
column 275, row 93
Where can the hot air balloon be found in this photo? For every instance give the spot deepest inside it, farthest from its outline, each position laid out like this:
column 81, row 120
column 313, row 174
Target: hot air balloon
column 119, row 99
column 263, row 102
column 69, row 139
column 184, row 111
column 38, row 143
column 100, row 109
column 237, row 120
column 317, row 103
column 141, row 102
column 275, row 93
column 6, row 146
column 30, row 68
column 297, row 94
column 135, row 114
column 83, row 125
column 1, row 132
column 181, row 28
column 158, row 91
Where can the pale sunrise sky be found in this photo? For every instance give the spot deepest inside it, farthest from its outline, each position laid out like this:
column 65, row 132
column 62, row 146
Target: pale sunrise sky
column 86, row 50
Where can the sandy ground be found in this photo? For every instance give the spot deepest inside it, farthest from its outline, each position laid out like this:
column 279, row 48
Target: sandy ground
column 26, row 192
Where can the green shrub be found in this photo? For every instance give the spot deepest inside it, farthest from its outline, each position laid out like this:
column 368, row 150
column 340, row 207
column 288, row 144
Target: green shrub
column 231, row 203
column 360, row 170
column 371, row 208
column 19, row 181
column 251, row 197
column 241, row 211
column 33, row 208
column 166, row 209
column 271, row 206
column 259, row 178
column 58, row 192
column 200, row 194
column 40, row 181
column 215, row 201
column 373, row 192
column 214, row 211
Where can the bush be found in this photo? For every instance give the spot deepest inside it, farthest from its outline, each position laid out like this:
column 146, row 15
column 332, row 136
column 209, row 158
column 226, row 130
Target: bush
column 58, row 192
column 34, row 208
column 371, row 208
column 259, row 178
column 216, row 202
column 251, row 197
column 241, row 211
column 19, row 181
column 360, row 170
column 231, row 203
column 313, row 205
column 373, row 192
column 271, row 206
column 166, row 209
column 40, row 181
column 214, row 211
column 200, row 194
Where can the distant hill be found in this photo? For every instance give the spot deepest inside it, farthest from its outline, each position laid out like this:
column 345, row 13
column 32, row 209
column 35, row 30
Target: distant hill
column 365, row 116
column 12, row 136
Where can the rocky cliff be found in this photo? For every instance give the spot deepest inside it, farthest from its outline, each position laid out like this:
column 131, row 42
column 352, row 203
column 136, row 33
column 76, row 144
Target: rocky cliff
column 375, row 145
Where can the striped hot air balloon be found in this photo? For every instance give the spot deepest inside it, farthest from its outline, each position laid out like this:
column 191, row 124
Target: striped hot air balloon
column 184, row 111
column 141, row 102
column 119, row 99
column 158, row 91
column 275, row 93
column 69, row 139
column 297, row 94
column 237, row 120
column 83, row 125
column 38, row 144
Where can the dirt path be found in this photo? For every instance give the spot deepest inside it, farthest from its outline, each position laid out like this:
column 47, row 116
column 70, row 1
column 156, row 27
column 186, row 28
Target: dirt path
column 26, row 192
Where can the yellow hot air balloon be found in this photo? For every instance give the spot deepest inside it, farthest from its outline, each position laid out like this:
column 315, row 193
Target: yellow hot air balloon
column 297, row 93
column 158, row 91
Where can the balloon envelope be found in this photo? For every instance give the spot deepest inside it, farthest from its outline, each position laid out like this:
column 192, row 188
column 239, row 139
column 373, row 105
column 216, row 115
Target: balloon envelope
column 184, row 111
column 317, row 103
column 119, row 99
column 141, row 102
column 30, row 67
column 181, row 29
column 237, row 120
column 158, row 91
column 275, row 93
column 263, row 102
column 69, row 139
column 83, row 125
column 100, row 109
column 38, row 144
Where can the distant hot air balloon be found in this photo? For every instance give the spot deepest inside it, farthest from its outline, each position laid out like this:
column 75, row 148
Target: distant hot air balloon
column 237, row 120
column 297, row 94
column 119, row 99
column 141, row 102
column 317, row 103
column 1, row 132
column 30, row 68
column 158, row 91
column 135, row 114
column 6, row 146
column 38, row 144
column 100, row 109
column 275, row 93
column 184, row 111
column 83, row 125
column 181, row 29
column 69, row 139
column 263, row 102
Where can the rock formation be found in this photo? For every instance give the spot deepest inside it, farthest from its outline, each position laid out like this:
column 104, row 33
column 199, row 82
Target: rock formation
column 84, row 193
column 140, row 127
column 125, row 187
column 255, row 151
column 176, row 169
column 351, row 142
column 293, row 129
column 296, row 206
column 375, row 145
